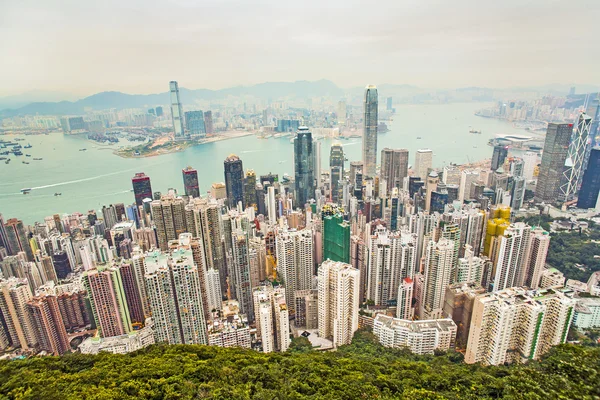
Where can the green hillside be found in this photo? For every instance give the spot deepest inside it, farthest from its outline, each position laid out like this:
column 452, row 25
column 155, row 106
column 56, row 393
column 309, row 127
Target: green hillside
column 363, row 370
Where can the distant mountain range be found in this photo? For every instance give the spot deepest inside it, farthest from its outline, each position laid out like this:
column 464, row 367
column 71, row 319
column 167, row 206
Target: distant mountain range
column 45, row 103
column 106, row 100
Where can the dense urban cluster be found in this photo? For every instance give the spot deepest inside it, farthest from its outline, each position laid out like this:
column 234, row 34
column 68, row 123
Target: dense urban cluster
column 429, row 259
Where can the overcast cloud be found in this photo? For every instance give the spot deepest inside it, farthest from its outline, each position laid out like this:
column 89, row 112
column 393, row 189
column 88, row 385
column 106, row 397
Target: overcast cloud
column 83, row 46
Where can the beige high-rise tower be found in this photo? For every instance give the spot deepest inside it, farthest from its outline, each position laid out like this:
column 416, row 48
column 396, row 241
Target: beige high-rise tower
column 338, row 301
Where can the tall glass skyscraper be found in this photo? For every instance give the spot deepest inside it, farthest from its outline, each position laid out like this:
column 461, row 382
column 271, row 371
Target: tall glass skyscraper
column 176, row 110
column 190, row 182
column 369, row 144
column 336, row 166
column 304, row 166
column 234, row 180
column 590, row 186
column 556, row 150
column 194, row 122
column 574, row 164
column 141, row 187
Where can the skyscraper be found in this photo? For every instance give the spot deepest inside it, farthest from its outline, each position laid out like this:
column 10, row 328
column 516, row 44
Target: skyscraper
column 304, row 166
column 272, row 318
column 239, row 273
column 499, row 156
column 556, row 150
column 517, row 325
column 168, row 215
column 336, row 166
column 394, row 167
column 576, row 159
column 190, row 182
column 369, row 144
column 511, row 256
column 590, row 185
column 174, row 289
column 107, row 298
column 194, row 122
column 234, row 180
column 14, row 295
column 336, row 238
column 341, row 112
column 141, row 187
column 338, row 301
column 438, row 274
column 423, row 163
column 48, row 325
column 250, row 189
column 208, row 122
column 176, row 111
column 17, row 237
column 295, row 263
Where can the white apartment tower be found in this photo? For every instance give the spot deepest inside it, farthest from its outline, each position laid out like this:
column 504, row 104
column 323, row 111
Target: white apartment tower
column 404, row 309
column 338, row 301
column 512, row 256
column 423, row 163
column 438, row 272
column 514, row 325
column 295, row 264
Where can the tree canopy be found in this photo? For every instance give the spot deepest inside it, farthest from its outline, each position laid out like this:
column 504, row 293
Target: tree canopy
column 362, row 370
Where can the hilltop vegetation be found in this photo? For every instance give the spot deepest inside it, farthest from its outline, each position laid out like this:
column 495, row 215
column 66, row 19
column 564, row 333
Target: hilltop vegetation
column 363, row 370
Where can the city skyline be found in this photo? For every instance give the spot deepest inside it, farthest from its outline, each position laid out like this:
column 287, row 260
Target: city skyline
column 481, row 45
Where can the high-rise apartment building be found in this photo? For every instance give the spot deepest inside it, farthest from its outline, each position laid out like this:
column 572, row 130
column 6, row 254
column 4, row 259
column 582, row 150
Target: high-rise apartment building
column 48, row 326
column 14, row 295
column 420, row 337
column 458, row 305
column 470, row 268
column 108, row 301
column 423, row 163
column 404, row 308
column 176, row 111
column 141, row 187
column 304, row 169
column 174, row 288
column 234, row 180
column 394, row 167
column 338, row 301
column 390, row 259
column 341, row 112
column 190, row 182
column 438, row 273
column 590, row 185
column 295, row 265
column 539, row 244
column 272, row 318
column 510, row 256
column 556, row 151
column 168, row 215
column 514, row 325
column 369, row 144
column 239, row 273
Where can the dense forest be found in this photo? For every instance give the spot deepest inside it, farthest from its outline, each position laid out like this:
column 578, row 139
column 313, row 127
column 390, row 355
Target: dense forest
column 362, row 370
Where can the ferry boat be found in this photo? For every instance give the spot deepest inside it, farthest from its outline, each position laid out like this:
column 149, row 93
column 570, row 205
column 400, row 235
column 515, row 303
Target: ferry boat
column 25, row 190
column 58, row 194
column 37, row 159
column 27, row 146
column 25, row 162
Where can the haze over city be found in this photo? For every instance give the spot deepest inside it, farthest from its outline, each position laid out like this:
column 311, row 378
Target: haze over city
column 79, row 48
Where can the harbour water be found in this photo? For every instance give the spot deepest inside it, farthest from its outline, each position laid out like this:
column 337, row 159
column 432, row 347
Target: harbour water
column 95, row 177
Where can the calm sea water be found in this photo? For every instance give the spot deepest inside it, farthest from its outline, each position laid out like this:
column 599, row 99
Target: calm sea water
column 96, row 177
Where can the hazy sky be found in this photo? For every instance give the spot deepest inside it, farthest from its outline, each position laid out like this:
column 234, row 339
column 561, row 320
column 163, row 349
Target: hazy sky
column 85, row 46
